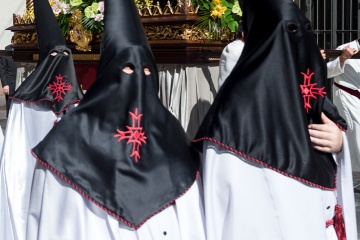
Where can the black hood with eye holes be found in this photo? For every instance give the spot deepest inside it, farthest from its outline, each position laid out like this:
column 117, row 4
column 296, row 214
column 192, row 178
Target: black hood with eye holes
column 129, row 154
column 53, row 84
column 276, row 89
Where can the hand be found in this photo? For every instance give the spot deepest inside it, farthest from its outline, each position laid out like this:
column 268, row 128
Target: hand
column 6, row 90
column 346, row 53
column 323, row 54
column 326, row 137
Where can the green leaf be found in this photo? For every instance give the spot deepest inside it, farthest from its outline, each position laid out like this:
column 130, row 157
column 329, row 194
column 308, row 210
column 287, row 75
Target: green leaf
column 229, row 18
column 227, row 4
column 227, row 12
column 233, row 26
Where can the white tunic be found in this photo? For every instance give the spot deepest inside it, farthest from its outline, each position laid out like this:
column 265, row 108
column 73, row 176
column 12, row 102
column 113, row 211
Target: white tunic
column 26, row 126
column 228, row 59
column 347, row 104
column 58, row 212
column 244, row 200
column 1, row 141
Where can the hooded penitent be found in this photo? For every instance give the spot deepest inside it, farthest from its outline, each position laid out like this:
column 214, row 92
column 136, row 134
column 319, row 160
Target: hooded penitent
column 275, row 91
column 128, row 153
column 53, row 84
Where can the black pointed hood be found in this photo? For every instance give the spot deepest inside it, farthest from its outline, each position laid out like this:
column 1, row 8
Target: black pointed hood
column 48, row 31
column 125, row 41
column 129, row 154
column 53, row 83
column 275, row 91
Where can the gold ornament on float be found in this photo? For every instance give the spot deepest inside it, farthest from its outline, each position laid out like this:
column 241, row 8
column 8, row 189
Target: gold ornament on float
column 78, row 34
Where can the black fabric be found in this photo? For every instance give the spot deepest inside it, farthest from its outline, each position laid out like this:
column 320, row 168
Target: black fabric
column 8, row 70
column 47, row 29
column 53, row 84
column 333, row 114
column 275, row 91
column 120, row 147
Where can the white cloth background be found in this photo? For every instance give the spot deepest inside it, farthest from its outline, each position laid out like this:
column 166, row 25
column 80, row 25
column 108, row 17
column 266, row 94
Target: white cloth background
column 188, row 91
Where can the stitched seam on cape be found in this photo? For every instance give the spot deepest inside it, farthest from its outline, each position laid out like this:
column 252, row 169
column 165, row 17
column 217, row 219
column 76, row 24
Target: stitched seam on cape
column 341, row 128
column 264, row 164
column 47, row 99
column 79, row 190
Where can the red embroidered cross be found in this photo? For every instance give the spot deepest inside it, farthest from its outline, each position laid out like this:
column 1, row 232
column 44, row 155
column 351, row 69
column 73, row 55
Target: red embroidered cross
column 309, row 90
column 58, row 88
column 135, row 135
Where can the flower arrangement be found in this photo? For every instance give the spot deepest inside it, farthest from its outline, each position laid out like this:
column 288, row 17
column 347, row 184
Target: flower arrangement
column 92, row 14
column 218, row 16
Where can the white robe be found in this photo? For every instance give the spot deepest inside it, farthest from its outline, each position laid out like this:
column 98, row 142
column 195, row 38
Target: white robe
column 228, row 59
column 347, row 104
column 57, row 211
column 244, row 200
column 1, row 141
column 27, row 125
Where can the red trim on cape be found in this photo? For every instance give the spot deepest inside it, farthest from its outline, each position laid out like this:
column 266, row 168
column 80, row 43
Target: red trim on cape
column 264, row 164
column 47, row 99
column 83, row 193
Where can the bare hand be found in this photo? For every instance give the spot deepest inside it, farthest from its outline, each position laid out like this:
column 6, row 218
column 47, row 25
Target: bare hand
column 347, row 52
column 326, row 137
column 6, row 90
column 323, row 54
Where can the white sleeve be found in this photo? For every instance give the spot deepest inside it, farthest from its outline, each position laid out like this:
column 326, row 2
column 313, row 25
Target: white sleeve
column 334, row 69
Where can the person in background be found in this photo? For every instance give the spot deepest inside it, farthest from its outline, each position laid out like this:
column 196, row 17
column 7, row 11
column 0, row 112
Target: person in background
column 346, row 94
column 8, row 70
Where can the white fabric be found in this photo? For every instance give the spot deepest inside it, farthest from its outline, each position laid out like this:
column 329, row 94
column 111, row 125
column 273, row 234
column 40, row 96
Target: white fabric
column 26, row 127
column 1, row 141
column 244, row 200
column 59, row 212
column 229, row 57
column 23, row 71
column 19, row 77
column 345, row 190
column 347, row 104
column 188, row 91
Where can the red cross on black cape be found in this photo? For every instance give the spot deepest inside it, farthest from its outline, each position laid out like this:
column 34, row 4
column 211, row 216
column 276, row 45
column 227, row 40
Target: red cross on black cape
column 120, row 147
column 276, row 89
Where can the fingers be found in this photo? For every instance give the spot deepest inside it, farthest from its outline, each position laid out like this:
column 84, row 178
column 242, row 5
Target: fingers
column 320, row 145
column 325, row 142
column 6, row 90
column 326, row 120
column 323, row 54
column 326, row 137
column 348, row 52
column 320, row 142
column 323, row 127
column 319, row 133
